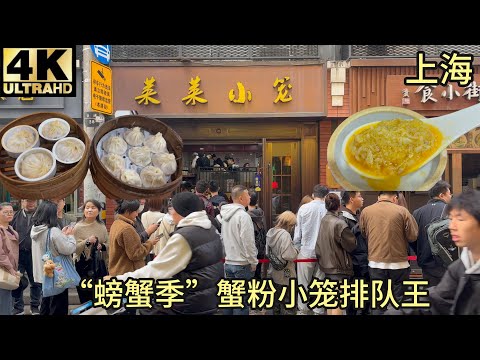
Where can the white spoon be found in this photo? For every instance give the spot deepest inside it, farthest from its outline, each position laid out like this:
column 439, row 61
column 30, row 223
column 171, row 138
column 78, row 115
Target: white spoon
column 451, row 126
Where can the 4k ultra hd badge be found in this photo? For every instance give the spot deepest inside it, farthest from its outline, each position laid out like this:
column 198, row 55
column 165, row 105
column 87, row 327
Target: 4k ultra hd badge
column 48, row 72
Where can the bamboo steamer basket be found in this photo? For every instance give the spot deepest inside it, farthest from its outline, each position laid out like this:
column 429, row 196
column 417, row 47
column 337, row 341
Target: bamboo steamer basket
column 112, row 187
column 68, row 177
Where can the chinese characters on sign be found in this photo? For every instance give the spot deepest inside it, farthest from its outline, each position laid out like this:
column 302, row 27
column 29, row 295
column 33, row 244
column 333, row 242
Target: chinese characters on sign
column 101, row 88
column 450, row 93
column 240, row 95
column 283, row 90
column 148, row 93
column 405, row 97
column 194, row 93
column 456, row 68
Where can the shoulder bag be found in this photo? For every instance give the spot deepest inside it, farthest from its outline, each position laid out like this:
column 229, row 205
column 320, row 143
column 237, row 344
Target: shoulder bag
column 64, row 274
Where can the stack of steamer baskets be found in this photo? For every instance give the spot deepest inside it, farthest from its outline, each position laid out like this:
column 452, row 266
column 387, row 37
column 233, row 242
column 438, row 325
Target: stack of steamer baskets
column 127, row 161
column 67, row 178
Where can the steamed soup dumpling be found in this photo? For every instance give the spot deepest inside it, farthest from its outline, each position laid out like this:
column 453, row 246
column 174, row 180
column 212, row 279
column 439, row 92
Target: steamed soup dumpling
column 134, row 137
column 114, row 163
column 36, row 165
column 140, row 155
column 152, row 177
column 131, row 177
column 20, row 141
column 166, row 163
column 156, row 143
column 54, row 129
column 69, row 150
column 115, row 145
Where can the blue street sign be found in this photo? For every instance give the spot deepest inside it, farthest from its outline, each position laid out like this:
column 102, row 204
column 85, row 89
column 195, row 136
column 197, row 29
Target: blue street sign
column 102, row 53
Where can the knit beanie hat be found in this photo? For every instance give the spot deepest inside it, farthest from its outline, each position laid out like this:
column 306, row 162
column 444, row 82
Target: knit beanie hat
column 185, row 203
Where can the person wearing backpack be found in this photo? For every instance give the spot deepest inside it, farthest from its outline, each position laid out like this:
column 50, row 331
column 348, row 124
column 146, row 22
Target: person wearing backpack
column 258, row 218
column 432, row 268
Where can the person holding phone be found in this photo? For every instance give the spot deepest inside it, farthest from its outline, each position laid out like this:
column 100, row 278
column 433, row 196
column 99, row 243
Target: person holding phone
column 91, row 238
column 194, row 251
column 63, row 218
column 153, row 216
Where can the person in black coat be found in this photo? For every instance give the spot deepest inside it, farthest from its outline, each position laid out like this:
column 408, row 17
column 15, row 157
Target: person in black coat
column 352, row 203
column 217, row 161
column 202, row 161
column 440, row 196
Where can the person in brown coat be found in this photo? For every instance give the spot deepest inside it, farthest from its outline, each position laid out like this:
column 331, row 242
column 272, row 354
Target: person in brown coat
column 127, row 253
column 334, row 243
column 388, row 229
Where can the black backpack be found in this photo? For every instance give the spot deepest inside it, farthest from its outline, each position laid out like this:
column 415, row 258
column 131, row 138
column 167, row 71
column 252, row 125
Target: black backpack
column 260, row 236
column 443, row 248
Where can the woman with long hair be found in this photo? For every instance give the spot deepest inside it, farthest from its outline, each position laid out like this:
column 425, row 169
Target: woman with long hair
column 280, row 243
column 45, row 221
column 91, row 236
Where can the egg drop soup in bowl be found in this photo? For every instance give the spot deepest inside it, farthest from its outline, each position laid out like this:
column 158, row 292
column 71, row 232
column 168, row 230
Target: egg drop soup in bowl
column 385, row 148
column 392, row 147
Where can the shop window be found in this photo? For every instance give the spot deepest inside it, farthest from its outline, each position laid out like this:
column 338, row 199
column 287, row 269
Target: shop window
column 470, row 171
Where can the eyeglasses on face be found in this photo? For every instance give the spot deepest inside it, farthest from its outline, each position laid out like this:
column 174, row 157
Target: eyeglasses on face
column 7, row 212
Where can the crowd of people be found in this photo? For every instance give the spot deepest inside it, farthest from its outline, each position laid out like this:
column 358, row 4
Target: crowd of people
column 202, row 160
column 200, row 234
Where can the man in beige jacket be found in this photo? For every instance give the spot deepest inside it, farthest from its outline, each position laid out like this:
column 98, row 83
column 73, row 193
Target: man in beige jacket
column 388, row 229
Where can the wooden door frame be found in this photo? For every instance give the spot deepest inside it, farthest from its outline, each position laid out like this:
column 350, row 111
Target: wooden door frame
column 267, row 154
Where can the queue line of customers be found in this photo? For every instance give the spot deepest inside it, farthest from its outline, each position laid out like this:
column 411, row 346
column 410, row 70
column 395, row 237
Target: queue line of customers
column 335, row 243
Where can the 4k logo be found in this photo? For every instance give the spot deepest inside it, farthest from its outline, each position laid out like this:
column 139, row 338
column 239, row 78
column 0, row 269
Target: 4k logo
column 48, row 72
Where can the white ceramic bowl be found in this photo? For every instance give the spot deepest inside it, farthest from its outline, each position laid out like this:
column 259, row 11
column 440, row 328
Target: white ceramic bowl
column 51, row 172
column 47, row 122
column 61, row 143
column 420, row 180
column 12, row 132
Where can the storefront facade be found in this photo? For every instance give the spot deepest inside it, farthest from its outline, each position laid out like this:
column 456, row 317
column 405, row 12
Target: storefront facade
column 380, row 82
column 267, row 115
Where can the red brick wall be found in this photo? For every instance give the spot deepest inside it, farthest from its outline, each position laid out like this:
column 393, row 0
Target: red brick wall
column 111, row 206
